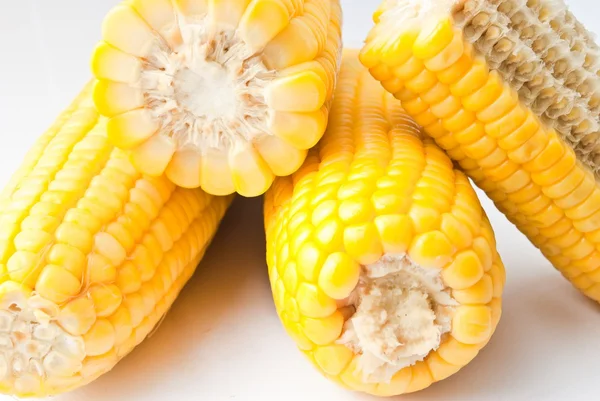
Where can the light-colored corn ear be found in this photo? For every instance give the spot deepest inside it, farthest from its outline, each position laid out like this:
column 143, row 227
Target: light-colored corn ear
column 510, row 89
column 222, row 95
column 92, row 255
column 382, row 263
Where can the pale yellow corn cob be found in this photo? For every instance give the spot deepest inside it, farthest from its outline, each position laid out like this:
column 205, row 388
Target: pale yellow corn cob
column 382, row 262
column 218, row 94
column 511, row 90
column 92, row 255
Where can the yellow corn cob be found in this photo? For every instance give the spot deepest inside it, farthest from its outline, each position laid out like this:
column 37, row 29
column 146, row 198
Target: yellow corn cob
column 382, row 262
column 92, row 255
column 218, row 94
column 510, row 89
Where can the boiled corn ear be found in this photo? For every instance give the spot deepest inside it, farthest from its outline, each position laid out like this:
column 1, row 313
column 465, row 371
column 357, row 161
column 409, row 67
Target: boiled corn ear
column 218, row 94
column 510, row 89
column 92, row 255
column 382, row 263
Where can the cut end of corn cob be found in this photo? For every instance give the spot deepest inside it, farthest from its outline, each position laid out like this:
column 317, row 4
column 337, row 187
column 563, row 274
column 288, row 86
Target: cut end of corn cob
column 381, row 260
column 511, row 90
column 219, row 95
column 402, row 312
column 92, row 255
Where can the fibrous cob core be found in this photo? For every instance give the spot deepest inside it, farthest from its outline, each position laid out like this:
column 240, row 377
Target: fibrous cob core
column 33, row 346
column 207, row 92
column 402, row 313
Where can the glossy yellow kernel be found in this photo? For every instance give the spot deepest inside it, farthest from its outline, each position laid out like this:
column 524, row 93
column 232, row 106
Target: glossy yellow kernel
column 323, row 210
column 121, row 322
column 74, row 235
column 322, row 331
column 389, row 200
column 107, row 298
column 100, row 338
column 313, row 302
column 99, row 269
column 424, row 216
column 439, row 368
column 290, row 277
column 291, row 308
column 362, row 243
column 431, row 249
column 68, row 257
column 457, row 70
column 399, row 50
column 472, row 324
column 77, row 316
column 436, row 35
column 449, row 55
column 474, row 78
column 339, row 275
column 332, row 359
column 479, row 293
column 355, row 211
column 550, row 155
column 295, row 331
column 458, row 234
column 329, row 235
column 396, row 233
column 128, row 278
column 24, row 267
column 57, row 284
column 457, row 353
column 135, row 304
column 309, row 260
column 397, row 385
column 465, row 270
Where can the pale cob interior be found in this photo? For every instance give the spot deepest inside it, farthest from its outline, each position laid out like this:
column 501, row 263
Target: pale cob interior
column 475, row 100
column 220, row 95
column 382, row 263
column 92, row 255
column 402, row 312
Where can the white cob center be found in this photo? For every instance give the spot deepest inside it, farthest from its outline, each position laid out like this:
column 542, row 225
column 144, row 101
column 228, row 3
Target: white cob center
column 209, row 90
column 402, row 313
column 208, row 93
column 34, row 348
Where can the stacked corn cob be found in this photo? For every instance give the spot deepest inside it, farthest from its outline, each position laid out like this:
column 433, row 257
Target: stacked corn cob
column 509, row 88
column 223, row 95
column 382, row 263
column 92, row 255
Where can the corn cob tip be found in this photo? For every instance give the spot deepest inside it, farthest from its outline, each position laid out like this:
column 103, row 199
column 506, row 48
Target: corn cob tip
column 401, row 313
column 37, row 351
column 223, row 96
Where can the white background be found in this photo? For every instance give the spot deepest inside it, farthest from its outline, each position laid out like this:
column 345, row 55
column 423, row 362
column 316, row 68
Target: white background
column 222, row 340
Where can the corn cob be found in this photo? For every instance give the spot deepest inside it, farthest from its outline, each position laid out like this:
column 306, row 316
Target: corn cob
column 382, row 262
column 92, row 255
column 218, row 94
column 510, row 89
